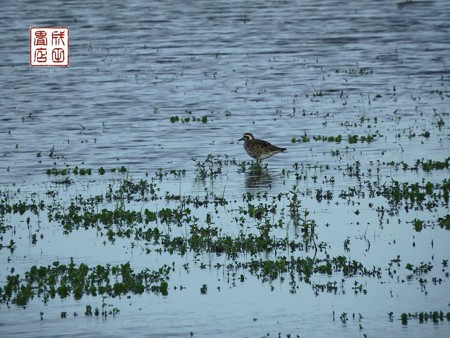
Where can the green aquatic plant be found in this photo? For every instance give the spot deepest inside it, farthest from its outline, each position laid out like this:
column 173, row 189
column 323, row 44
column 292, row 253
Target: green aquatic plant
column 423, row 268
column 303, row 139
column 190, row 118
column 418, row 225
column 275, row 238
column 210, row 168
column 56, row 171
column 82, row 171
column 334, row 139
column 444, row 222
column 351, row 139
column 294, row 202
column 79, row 280
column 429, row 165
column 426, row 134
column 425, row 316
column 404, row 318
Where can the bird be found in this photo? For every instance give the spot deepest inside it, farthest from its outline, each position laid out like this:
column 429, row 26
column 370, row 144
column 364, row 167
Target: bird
column 259, row 149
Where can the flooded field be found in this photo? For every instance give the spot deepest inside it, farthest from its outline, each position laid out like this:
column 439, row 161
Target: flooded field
column 128, row 206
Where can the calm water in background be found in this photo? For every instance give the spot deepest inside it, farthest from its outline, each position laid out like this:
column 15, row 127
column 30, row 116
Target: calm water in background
column 254, row 66
column 253, row 59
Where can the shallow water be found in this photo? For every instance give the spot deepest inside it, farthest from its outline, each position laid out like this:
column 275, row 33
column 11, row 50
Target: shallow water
column 280, row 70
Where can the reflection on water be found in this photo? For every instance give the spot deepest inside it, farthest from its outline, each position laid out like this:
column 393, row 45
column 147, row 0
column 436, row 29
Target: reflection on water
column 258, row 177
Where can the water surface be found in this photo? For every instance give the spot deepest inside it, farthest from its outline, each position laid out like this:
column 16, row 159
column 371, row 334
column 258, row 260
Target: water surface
column 278, row 69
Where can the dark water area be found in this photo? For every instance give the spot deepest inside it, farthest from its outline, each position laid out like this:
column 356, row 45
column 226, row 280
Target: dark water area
column 153, row 84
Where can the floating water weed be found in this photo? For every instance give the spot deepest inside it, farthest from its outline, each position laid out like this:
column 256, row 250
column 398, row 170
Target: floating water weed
column 404, row 318
column 422, row 317
column 425, row 165
column 421, row 269
column 272, row 237
column 294, row 202
column 175, row 119
column 211, row 167
column 351, row 139
column 303, row 139
column 418, row 225
column 82, row 171
column 64, row 280
column 335, row 139
column 56, row 172
column 444, row 222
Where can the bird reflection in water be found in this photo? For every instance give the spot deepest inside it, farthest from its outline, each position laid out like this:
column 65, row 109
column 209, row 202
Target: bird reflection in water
column 258, row 176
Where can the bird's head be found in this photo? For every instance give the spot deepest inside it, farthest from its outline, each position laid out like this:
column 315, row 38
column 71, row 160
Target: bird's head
column 247, row 137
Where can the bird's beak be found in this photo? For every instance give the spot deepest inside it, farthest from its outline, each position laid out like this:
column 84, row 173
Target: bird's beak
column 241, row 139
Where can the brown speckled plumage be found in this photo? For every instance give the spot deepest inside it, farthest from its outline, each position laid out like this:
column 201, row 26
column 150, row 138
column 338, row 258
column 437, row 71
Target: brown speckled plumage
column 259, row 149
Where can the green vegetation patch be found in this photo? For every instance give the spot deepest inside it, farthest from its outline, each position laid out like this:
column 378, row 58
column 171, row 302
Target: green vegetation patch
column 48, row 282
